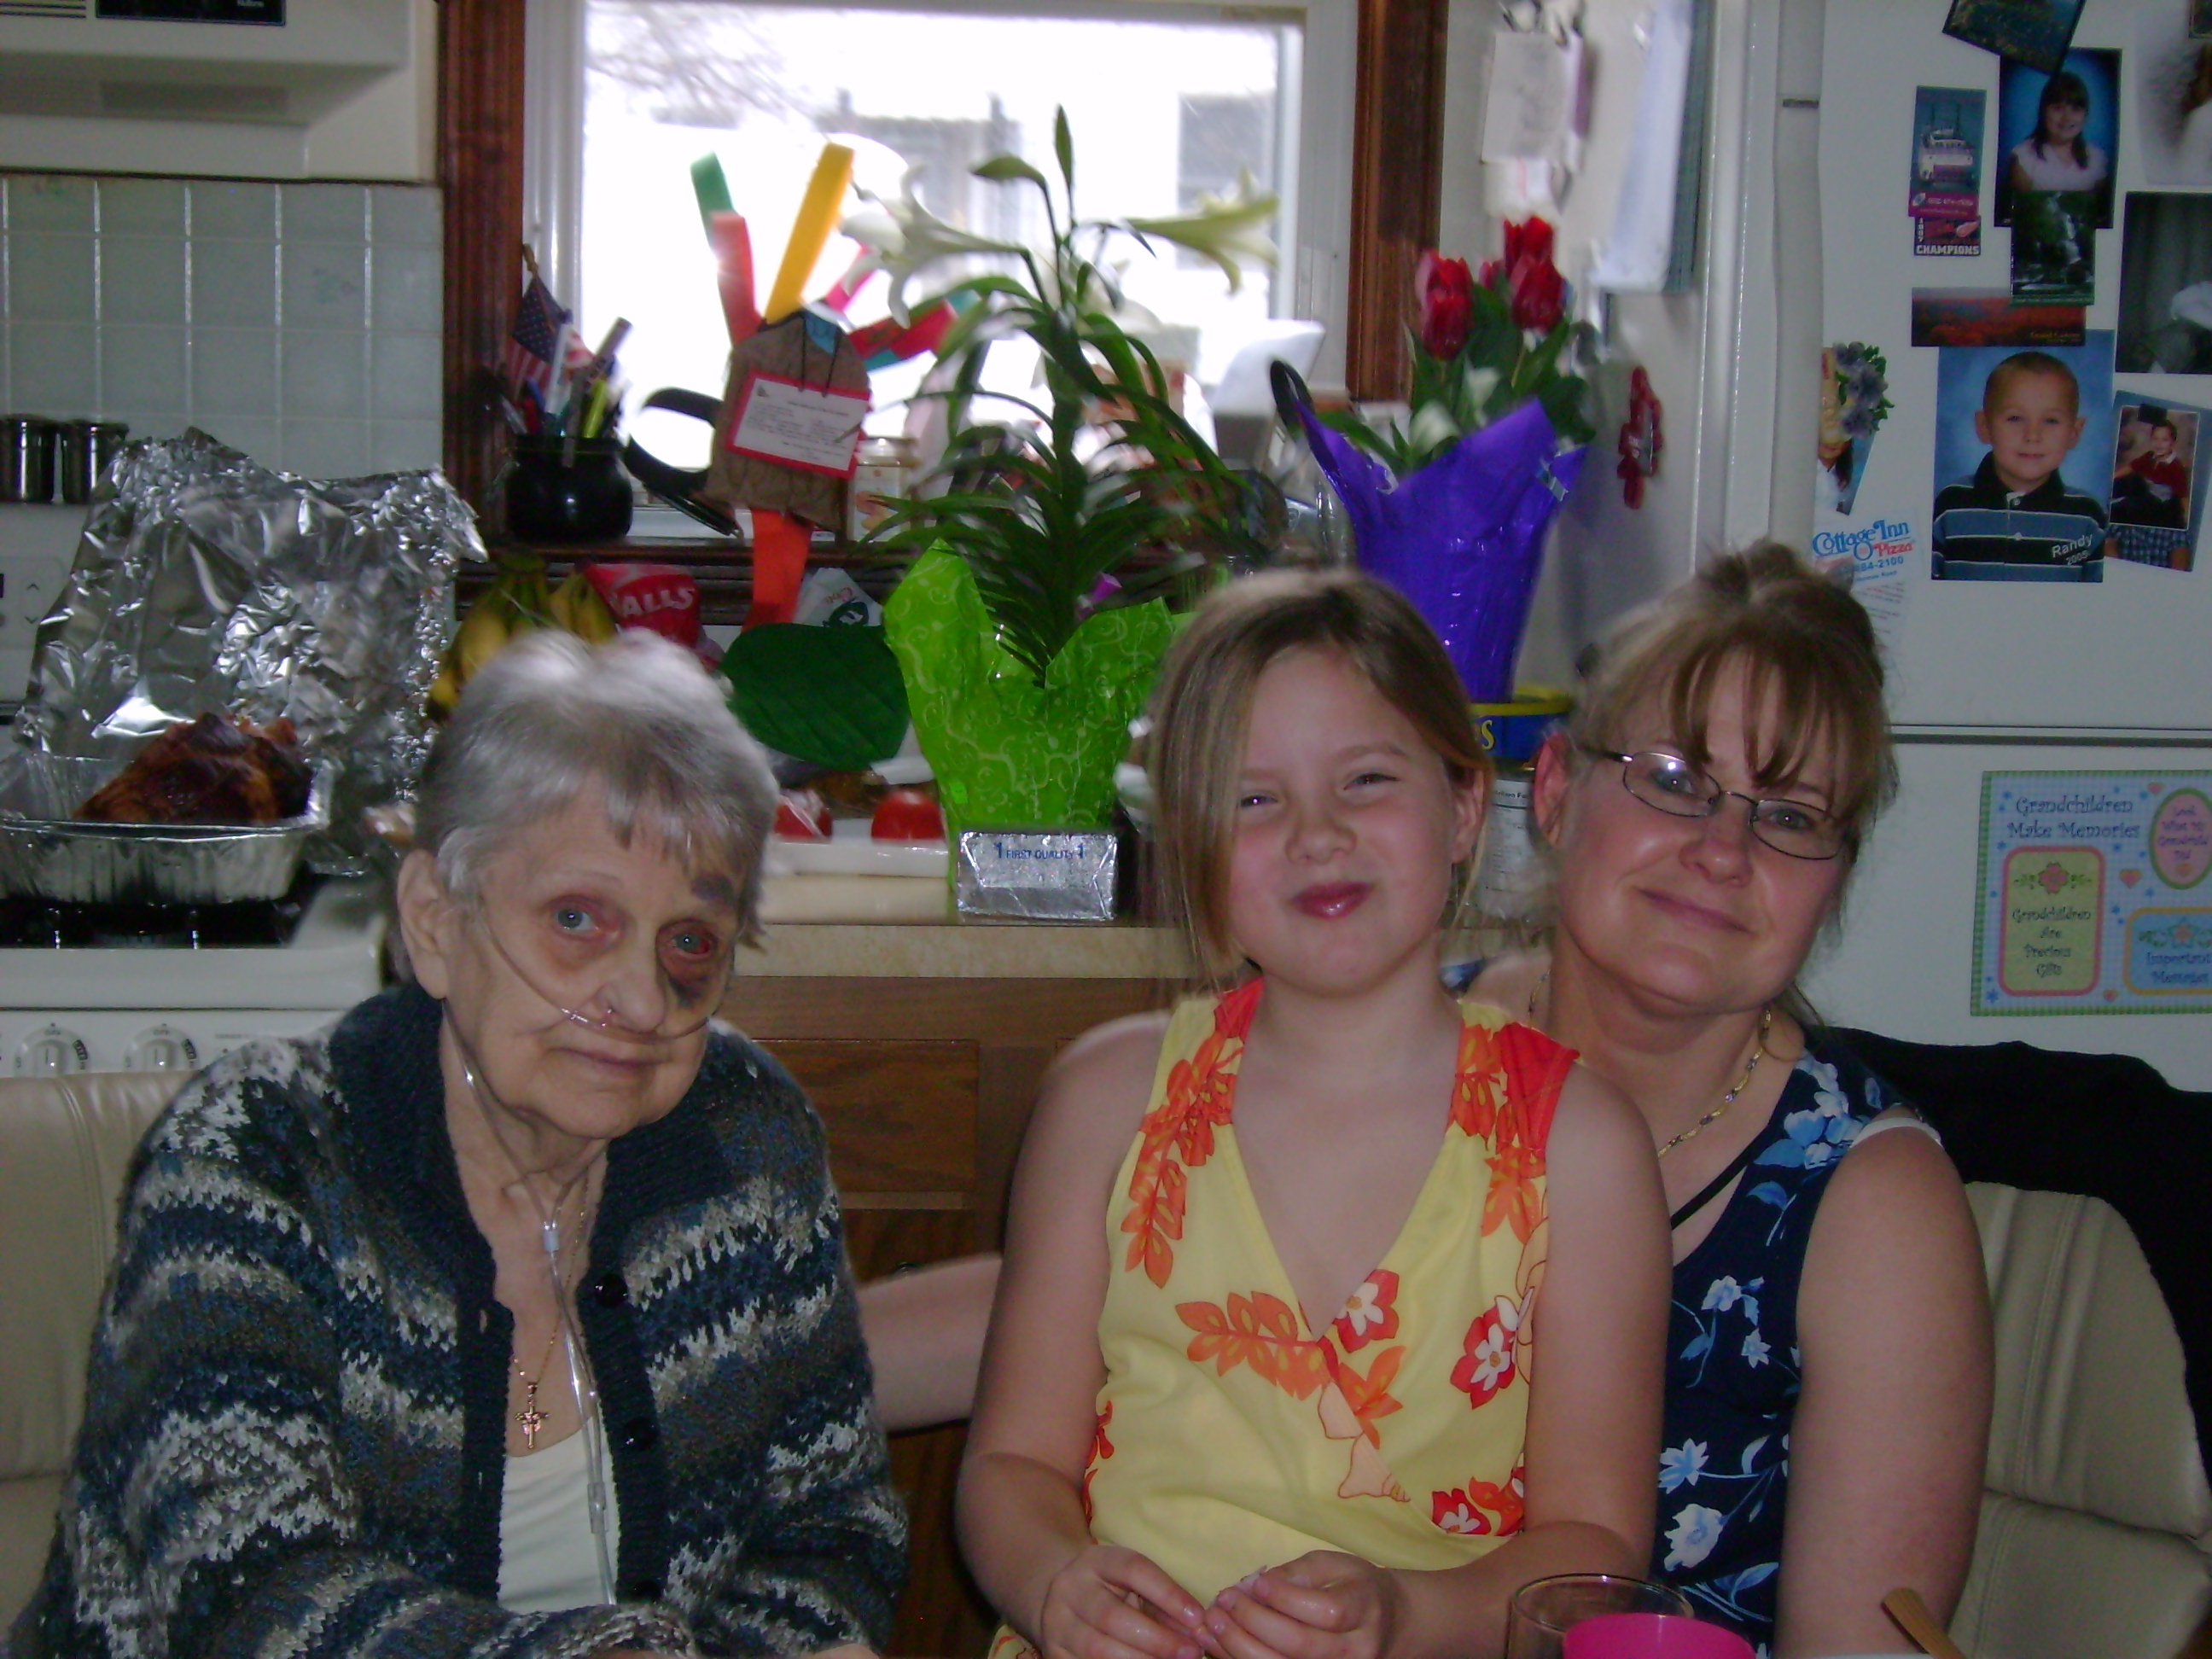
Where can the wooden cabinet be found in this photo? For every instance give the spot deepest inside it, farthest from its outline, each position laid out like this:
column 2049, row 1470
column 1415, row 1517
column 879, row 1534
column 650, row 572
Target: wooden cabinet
column 925, row 1085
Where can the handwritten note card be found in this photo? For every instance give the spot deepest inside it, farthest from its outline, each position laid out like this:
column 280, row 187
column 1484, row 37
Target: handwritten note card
column 801, row 426
column 2092, row 896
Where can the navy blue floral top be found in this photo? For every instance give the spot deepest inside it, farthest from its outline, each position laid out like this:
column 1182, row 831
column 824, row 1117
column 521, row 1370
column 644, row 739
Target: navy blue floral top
column 1732, row 1360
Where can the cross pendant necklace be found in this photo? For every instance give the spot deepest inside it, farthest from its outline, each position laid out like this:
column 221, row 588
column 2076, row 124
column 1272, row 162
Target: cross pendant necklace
column 531, row 1418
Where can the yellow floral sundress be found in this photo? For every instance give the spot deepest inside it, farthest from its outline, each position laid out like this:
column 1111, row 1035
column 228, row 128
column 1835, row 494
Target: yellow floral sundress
column 1233, row 1435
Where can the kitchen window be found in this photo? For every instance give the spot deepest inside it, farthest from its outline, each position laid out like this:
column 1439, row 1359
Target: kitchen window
column 1166, row 100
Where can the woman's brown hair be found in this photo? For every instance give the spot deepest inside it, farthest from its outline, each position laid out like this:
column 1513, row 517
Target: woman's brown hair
column 1203, row 709
column 1812, row 676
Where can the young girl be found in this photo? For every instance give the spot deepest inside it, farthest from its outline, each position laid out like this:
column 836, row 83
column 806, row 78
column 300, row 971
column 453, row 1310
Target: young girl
column 1332, row 1309
column 2056, row 155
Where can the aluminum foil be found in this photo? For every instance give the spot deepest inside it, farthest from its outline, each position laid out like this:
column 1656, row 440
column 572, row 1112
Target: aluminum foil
column 45, row 854
column 205, row 583
column 1036, row 875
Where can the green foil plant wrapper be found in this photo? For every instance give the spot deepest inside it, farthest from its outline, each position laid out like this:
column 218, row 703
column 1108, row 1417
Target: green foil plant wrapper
column 1010, row 753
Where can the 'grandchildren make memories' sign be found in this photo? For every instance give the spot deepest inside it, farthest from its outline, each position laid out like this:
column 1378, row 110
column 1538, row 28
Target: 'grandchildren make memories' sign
column 2092, row 896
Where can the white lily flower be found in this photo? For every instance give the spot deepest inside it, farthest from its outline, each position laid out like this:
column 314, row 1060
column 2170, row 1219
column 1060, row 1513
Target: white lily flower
column 1224, row 228
column 905, row 239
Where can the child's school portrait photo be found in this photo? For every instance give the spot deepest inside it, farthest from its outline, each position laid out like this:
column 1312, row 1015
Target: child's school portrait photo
column 2023, row 448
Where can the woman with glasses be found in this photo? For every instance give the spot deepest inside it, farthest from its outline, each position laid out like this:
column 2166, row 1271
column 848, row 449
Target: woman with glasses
column 509, row 1316
column 1828, row 1356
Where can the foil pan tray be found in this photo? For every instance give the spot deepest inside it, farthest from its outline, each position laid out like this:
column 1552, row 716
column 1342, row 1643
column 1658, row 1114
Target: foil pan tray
column 46, row 855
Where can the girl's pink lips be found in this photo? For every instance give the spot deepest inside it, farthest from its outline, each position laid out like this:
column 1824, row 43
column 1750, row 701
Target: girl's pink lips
column 1332, row 899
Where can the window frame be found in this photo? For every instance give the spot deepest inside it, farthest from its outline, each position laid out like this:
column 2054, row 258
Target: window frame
column 1361, row 211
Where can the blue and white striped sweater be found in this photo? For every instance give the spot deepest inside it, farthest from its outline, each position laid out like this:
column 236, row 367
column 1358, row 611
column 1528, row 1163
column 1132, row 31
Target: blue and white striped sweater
column 295, row 1436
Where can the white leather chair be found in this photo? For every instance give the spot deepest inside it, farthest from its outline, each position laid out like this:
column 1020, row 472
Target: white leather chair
column 2096, row 1524
column 65, row 1145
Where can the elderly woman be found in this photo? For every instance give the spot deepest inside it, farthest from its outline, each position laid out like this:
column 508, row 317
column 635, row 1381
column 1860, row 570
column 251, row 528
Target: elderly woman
column 509, row 1316
column 1829, row 1356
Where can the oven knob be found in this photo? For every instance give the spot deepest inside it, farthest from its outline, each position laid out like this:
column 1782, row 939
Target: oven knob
column 50, row 1051
column 162, row 1048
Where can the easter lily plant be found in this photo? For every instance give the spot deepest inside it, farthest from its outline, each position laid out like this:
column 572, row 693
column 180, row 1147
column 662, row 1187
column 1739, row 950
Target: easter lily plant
column 1021, row 681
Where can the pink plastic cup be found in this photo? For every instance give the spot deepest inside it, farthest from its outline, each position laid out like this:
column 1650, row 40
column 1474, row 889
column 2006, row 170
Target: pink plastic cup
column 1652, row 1635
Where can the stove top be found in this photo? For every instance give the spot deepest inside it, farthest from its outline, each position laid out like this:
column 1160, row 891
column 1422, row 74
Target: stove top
column 38, row 924
column 319, row 947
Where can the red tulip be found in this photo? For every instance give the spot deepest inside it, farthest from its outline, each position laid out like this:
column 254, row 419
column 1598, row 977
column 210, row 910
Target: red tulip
column 1540, row 295
column 1530, row 239
column 1446, row 295
column 1527, row 277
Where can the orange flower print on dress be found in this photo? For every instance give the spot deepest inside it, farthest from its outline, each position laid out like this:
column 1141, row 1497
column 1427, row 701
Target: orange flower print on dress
column 1488, row 1364
column 1369, row 1396
column 1100, row 1449
column 1178, row 1134
column 1371, row 1315
column 1479, row 1090
column 1261, row 1331
column 1480, row 1508
column 1516, row 1197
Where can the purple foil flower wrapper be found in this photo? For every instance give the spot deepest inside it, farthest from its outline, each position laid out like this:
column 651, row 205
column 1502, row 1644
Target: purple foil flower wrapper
column 1463, row 538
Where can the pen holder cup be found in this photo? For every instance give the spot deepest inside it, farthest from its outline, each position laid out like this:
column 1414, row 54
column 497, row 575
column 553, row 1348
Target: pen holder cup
column 560, row 495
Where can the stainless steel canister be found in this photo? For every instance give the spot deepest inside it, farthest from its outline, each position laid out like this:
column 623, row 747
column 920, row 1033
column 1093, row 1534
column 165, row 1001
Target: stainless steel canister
column 27, row 459
column 87, row 447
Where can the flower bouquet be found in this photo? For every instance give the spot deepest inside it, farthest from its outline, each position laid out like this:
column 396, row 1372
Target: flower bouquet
column 1451, row 505
column 1854, row 403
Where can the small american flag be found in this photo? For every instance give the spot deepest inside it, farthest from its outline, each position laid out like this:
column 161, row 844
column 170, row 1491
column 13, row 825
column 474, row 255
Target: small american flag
column 532, row 359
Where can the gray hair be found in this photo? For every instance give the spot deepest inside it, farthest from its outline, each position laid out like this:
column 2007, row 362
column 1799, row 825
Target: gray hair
column 552, row 718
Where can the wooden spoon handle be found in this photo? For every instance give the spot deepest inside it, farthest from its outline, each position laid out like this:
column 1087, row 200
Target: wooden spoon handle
column 1905, row 1606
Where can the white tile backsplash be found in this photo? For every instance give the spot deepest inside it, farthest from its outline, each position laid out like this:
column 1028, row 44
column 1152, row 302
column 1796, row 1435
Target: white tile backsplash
column 142, row 206
column 53, row 368
column 325, row 213
column 143, row 370
column 326, row 375
column 407, row 287
column 299, row 323
column 50, row 278
column 234, row 371
column 50, row 203
column 405, row 373
column 234, row 284
column 325, row 285
column 225, row 208
column 141, row 280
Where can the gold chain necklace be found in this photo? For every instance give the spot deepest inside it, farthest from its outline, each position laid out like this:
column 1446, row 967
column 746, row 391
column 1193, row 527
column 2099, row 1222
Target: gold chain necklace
column 1758, row 1053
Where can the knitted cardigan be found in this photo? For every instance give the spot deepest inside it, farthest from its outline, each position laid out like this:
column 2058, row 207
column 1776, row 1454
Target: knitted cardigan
column 295, row 1439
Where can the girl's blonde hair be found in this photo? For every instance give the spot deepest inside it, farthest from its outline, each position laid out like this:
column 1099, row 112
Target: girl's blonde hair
column 1203, row 710
column 1812, row 676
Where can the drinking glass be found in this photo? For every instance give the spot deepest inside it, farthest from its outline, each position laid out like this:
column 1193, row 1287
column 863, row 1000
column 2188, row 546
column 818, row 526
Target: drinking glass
column 1545, row 1609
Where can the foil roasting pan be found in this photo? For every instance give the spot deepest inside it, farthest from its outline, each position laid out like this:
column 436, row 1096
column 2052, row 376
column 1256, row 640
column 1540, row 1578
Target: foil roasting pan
column 205, row 583
column 46, row 855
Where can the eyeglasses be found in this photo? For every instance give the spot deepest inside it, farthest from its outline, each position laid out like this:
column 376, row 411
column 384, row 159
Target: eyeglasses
column 1671, row 785
column 691, row 982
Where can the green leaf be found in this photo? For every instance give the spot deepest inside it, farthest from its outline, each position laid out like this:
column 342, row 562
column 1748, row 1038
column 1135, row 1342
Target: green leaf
column 1063, row 147
column 832, row 696
column 1001, row 169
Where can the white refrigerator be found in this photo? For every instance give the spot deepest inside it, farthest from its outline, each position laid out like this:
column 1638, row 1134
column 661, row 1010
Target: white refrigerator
column 2037, row 879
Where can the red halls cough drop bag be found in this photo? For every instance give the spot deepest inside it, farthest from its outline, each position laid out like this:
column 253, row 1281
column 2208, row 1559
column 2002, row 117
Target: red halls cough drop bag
column 662, row 597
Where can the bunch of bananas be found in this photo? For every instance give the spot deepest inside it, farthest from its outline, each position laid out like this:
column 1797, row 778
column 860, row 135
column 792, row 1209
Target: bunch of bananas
column 519, row 601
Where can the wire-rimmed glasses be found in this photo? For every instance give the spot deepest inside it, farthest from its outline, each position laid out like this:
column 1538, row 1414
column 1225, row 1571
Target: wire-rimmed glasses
column 1669, row 784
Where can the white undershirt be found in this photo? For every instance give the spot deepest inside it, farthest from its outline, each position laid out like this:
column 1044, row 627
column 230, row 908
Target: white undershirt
column 547, row 1560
